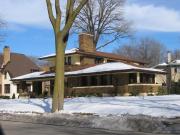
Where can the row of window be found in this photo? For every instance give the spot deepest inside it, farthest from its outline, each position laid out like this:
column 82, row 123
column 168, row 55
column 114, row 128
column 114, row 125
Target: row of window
column 144, row 78
column 102, row 80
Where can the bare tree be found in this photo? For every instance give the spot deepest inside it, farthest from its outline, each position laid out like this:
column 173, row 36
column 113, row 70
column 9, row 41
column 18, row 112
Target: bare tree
column 2, row 25
column 147, row 50
column 61, row 33
column 176, row 54
column 103, row 18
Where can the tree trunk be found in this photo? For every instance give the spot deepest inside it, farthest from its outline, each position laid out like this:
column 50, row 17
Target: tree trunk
column 58, row 95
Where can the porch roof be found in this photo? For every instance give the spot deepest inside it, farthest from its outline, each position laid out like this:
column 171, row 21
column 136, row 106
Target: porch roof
column 102, row 68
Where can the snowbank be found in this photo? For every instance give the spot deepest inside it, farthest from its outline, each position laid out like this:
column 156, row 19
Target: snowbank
column 158, row 106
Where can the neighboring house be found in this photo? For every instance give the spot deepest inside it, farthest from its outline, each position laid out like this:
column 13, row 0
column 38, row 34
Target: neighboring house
column 91, row 72
column 172, row 67
column 13, row 65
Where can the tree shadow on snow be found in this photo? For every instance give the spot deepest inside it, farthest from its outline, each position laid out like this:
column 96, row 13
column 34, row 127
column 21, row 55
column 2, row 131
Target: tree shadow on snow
column 1, row 131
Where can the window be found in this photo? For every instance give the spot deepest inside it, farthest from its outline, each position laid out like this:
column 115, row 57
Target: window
column 5, row 76
column 69, row 60
column 132, row 78
column 147, row 78
column 84, row 81
column 34, row 70
column 7, row 88
column 175, row 70
column 104, row 80
column 93, row 80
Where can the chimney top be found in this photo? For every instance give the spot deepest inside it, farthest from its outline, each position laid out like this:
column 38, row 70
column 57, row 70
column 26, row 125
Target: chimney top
column 86, row 42
column 6, row 55
column 6, row 46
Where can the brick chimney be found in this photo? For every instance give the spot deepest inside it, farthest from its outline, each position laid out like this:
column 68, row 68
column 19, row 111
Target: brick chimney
column 6, row 55
column 169, row 57
column 86, row 42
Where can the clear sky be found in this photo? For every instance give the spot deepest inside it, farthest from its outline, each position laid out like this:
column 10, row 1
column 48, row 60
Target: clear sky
column 29, row 31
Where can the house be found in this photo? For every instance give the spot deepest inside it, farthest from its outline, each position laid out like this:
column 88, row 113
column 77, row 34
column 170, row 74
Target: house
column 91, row 72
column 13, row 65
column 172, row 67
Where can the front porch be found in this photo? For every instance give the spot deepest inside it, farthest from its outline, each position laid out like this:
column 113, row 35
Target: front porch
column 119, row 84
column 107, row 84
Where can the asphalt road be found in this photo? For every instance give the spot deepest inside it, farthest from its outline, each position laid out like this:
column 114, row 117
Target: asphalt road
column 19, row 128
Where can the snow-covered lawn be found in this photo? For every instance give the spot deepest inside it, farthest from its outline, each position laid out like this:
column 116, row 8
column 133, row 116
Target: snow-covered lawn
column 167, row 106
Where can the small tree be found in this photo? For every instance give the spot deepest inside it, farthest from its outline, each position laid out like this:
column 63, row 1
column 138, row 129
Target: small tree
column 61, row 33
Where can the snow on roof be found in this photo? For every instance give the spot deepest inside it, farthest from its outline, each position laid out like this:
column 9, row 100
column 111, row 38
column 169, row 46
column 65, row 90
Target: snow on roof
column 161, row 65
column 114, row 66
column 107, row 67
column 173, row 63
column 70, row 51
column 26, row 76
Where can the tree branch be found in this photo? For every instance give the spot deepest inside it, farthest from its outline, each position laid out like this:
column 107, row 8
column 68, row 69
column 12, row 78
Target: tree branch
column 58, row 15
column 50, row 13
column 74, row 14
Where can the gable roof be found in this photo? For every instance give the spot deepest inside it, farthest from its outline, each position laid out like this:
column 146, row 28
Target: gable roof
column 19, row 65
column 95, row 54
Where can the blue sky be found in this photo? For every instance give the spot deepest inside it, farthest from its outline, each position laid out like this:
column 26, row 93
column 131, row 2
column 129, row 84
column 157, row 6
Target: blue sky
column 29, row 30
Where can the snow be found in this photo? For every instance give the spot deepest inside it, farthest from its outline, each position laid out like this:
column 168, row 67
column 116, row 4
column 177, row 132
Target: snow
column 26, row 76
column 107, row 67
column 70, row 51
column 173, row 63
column 163, row 106
column 162, row 64
column 114, row 66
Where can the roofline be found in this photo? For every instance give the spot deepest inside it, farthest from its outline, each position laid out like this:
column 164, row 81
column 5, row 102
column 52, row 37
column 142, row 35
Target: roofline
column 96, row 73
column 94, row 55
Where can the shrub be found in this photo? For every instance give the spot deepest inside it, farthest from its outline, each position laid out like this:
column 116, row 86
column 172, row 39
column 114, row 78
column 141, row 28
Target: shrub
column 13, row 97
column 162, row 91
column 4, row 97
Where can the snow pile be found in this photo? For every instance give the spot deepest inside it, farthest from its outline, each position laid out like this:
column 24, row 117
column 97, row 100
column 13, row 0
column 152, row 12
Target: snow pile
column 167, row 106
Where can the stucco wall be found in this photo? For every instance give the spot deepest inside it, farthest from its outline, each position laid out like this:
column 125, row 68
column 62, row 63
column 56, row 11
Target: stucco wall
column 13, row 87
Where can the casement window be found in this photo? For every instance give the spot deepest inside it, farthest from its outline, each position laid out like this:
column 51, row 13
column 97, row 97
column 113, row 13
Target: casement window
column 67, row 60
column 132, row 78
column 147, row 78
column 7, row 88
column 93, row 81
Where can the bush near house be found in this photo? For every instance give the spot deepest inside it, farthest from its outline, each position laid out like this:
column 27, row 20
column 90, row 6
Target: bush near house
column 175, row 88
column 162, row 90
column 4, row 97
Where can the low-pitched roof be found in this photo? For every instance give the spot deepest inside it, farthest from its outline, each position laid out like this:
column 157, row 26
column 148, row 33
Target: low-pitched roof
column 173, row 63
column 102, row 68
column 94, row 54
column 19, row 65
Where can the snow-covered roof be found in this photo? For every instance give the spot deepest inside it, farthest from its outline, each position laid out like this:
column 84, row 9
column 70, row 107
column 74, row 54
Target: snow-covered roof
column 107, row 67
column 114, row 66
column 31, row 75
column 173, row 63
column 70, row 51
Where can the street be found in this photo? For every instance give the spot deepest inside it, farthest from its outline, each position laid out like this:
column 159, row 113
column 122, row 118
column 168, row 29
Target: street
column 19, row 128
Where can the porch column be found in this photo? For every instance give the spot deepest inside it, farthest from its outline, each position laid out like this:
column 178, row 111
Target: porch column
column 138, row 77
column 31, row 87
